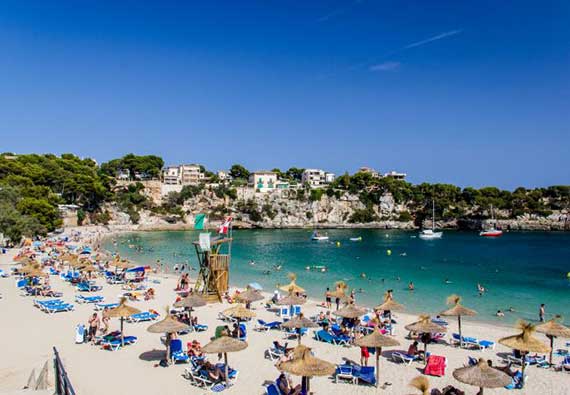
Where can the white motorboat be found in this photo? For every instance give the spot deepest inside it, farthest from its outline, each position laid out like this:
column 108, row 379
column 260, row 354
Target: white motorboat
column 318, row 237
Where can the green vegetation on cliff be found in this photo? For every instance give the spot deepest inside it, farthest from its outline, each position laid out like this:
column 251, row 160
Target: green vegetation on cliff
column 32, row 186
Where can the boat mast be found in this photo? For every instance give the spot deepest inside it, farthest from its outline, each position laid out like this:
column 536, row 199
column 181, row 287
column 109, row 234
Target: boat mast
column 433, row 215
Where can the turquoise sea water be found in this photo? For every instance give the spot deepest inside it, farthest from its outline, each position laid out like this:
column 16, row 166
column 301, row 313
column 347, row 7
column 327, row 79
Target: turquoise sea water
column 519, row 270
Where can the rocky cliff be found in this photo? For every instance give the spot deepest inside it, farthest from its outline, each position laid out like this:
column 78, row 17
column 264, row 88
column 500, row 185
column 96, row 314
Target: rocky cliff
column 285, row 209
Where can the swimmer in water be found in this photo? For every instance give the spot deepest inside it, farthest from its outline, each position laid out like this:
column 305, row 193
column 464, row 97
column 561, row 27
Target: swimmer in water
column 500, row 313
column 252, row 263
column 403, row 254
column 411, row 286
column 480, row 289
column 363, row 275
column 277, row 267
column 266, row 272
column 447, row 281
column 398, row 278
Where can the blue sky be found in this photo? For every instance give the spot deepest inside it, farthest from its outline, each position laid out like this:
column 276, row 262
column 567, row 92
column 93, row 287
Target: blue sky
column 471, row 93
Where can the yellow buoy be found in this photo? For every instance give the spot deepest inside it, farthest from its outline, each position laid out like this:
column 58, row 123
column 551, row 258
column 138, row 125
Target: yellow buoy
column 388, row 252
column 568, row 275
column 338, row 243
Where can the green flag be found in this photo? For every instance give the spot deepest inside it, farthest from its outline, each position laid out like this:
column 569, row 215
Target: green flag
column 199, row 221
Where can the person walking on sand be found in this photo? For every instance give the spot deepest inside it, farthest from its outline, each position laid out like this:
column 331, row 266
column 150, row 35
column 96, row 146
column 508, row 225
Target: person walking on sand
column 328, row 298
column 541, row 313
column 93, row 327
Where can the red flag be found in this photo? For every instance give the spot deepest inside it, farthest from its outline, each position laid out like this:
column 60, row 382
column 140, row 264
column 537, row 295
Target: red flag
column 225, row 226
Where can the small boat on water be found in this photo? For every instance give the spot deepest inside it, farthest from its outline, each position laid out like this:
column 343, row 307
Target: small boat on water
column 431, row 234
column 316, row 236
column 359, row 238
column 493, row 231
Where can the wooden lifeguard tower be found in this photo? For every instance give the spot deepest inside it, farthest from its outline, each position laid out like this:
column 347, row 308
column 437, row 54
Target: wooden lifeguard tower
column 214, row 276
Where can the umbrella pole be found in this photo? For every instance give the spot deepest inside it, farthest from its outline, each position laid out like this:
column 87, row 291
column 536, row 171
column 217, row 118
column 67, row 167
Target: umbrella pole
column 226, row 369
column 460, row 335
column 425, row 353
column 190, row 317
column 551, row 348
column 168, row 335
column 480, row 390
column 378, row 351
column 122, row 335
column 299, row 335
column 522, row 369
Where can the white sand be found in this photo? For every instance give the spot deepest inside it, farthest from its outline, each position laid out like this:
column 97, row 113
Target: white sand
column 27, row 336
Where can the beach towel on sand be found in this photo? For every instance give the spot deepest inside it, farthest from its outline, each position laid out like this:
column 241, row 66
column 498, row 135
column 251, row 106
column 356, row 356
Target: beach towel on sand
column 435, row 366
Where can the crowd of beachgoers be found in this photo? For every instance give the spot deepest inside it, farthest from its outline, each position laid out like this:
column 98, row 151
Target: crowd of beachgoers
column 110, row 316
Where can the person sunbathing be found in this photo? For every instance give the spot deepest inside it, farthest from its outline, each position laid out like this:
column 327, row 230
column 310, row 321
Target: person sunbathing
column 285, row 385
column 149, row 294
column 194, row 349
column 414, row 351
column 214, row 373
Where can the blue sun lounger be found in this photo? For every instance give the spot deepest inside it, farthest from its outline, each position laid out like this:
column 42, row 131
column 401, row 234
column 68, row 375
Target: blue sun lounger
column 88, row 287
column 200, row 327
column 88, row 299
column 115, row 344
column 365, row 374
column 105, row 306
column 265, row 326
column 50, row 302
column 143, row 316
column 272, row 389
column 404, row 358
column 58, row 308
column 177, row 352
column 326, row 337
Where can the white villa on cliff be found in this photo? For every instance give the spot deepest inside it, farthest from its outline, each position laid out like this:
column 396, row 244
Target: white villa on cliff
column 263, row 181
column 317, row 177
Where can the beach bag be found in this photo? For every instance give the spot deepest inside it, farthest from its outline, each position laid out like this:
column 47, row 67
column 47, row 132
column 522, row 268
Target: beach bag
column 80, row 334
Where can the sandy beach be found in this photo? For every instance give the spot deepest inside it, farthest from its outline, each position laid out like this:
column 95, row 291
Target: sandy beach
column 29, row 334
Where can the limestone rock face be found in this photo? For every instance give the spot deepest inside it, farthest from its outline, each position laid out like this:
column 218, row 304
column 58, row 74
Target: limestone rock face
column 294, row 209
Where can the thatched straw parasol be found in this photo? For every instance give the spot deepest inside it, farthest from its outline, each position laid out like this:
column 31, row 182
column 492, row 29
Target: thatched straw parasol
column 89, row 268
column 305, row 365
column 168, row 325
column 482, row 375
column 239, row 312
column 421, row 383
column 190, row 302
column 249, row 296
column 224, row 345
column 291, row 300
column 292, row 287
column 340, row 290
column 389, row 305
column 298, row 323
column 33, row 270
column 424, row 325
column 351, row 311
column 457, row 311
column 377, row 340
column 553, row 329
column 525, row 342
column 122, row 311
